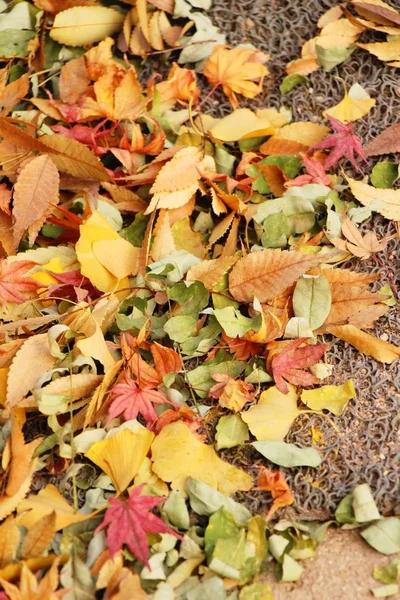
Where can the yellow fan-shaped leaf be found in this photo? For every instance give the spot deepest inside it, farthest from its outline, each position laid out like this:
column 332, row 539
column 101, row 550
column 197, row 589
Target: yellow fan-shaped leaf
column 273, row 415
column 177, row 454
column 39, row 536
column 35, row 191
column 118, row 256
column 95, row 229
column 84, row 25
column 355, row 105
column 122, row 455
column 44, row 503
column 241, row 124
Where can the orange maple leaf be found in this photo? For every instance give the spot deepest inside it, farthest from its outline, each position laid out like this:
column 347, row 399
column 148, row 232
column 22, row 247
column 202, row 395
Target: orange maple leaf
column 238, row 70
column 274, row 482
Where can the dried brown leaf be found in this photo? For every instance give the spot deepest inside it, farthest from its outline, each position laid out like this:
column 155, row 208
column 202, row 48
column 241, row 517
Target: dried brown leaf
column 9, row 540
column 35, row 191
column 267, row 273
column 386, row 142
column 39, row 536
column 365, row 343
column 74, row 80
column 210, row 272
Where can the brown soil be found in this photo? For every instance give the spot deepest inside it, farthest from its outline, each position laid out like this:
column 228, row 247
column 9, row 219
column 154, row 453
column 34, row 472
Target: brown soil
column 342, row 570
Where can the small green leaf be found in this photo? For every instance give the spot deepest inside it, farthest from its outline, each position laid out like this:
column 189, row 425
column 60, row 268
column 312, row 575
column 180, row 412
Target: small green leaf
column 387, row 290
column 277, row 229
column 220, row 526
column 365, row 509
column 328, row 58
column 179, row 328
column 224, row 160
column 388, row 574
column 201, row 380
column 344, row 512
column 312, row 299
column 289, row 570
column 231, row 432
column 329, row 397
column 210, row 589
column 386, row 590
column 229, row 555
column 176, row 510
column 384, row 535
column 256, row 591
column 290, row 82
column 234, row 323
column 205, row 500
column 288, row 455
column 384, row 174
column 290, row 164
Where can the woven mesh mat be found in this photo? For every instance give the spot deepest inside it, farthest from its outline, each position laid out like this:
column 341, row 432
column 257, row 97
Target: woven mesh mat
column 366, row 448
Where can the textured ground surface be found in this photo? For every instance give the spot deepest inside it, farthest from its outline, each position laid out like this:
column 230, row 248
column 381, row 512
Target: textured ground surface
column 342, row 570
column 367, row 447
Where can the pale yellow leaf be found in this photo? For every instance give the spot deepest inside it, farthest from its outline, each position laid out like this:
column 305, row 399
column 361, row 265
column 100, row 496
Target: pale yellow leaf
column 44, row 503
column 122, row 455
column 33, row 359
column 39, row 536
column 386, row 51
column 96, row 401
column 355, row 105
column 303, row 132
column 84, row 25
column 273, row 415
column 332, row 14
column 186, row 239
column 210, row 272
column 366, row 343
column 384, row 201
column 117, row 256
column 177, row 453
column 95, row 229
column 163, row 241
column 9, row 539
column 241, row 124
column 267, row 273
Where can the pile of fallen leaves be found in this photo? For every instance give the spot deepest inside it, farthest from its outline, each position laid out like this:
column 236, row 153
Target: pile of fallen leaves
column 170, row 284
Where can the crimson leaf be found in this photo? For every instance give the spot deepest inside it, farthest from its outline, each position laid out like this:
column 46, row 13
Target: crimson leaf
column 342, row 143
column 129, row 520
column 289, row 364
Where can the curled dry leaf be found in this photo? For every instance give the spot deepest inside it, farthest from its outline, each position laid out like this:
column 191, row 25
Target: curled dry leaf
column 274, row 482
column 356, row 243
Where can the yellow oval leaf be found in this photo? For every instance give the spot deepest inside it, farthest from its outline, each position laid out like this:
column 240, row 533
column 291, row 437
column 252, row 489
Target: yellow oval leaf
column 84, row 25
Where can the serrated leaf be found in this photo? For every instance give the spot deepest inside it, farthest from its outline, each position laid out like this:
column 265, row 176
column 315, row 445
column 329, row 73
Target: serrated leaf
column 39, row 536
column 265, row 274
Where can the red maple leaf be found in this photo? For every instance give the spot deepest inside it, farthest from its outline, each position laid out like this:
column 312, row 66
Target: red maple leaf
column 290, row 363
column 342, row 143
column 129, row 400
column 315, row 173
column 13, row 281
column 129, row 520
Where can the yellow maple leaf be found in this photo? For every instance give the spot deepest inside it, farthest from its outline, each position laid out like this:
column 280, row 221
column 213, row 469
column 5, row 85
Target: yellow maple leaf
column 30, row 588
column 238, row 70
column 178, row 453
column 44, row 503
